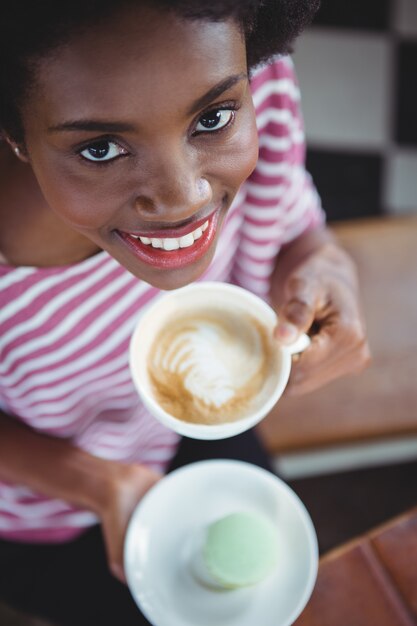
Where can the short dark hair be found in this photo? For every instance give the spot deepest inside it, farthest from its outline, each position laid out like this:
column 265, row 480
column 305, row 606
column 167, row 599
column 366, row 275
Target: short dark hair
column 30, row 29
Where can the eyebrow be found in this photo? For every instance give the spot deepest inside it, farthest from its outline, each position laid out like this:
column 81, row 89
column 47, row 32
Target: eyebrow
column 92, row 125
column 216, row 91
column 105, row 126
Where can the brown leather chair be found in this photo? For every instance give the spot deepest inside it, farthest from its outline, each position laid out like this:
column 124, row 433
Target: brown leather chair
column 371, row 581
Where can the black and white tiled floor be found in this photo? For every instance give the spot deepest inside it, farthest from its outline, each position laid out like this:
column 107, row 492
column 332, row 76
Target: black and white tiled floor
column 357, row 67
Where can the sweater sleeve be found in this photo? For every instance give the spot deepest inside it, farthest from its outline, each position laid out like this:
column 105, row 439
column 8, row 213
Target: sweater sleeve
column 281, row 201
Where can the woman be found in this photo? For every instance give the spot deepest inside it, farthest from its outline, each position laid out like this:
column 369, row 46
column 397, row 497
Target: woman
column 147, row 145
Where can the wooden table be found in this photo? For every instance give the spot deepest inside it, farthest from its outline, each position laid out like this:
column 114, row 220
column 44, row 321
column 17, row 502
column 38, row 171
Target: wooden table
column 381, row 402
column 371, row 581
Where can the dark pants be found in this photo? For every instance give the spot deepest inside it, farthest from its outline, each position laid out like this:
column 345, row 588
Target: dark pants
column 70, row 584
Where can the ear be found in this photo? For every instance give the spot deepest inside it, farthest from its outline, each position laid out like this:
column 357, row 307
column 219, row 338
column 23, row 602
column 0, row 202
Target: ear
column 18, row 151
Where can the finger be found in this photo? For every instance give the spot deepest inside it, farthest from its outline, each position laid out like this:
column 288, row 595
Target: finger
column 114, row 551
column 298, row 318
column 322, row 378
column 118, row 572
column 297, row 312
column 294, row 318
column 353, row 359
column 115, row 561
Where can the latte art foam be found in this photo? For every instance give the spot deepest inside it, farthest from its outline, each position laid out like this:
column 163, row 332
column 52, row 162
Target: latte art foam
column 208, row 366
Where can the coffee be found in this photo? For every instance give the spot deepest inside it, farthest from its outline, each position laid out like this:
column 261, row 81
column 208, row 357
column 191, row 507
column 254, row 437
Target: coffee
column 210, row 366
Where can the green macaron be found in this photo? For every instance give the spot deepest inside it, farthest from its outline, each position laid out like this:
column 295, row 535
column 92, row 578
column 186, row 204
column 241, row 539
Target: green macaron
column 240, row 549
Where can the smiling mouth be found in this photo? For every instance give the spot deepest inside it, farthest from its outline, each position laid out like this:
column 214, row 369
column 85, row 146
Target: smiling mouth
column 174, row 243
column 173, row 248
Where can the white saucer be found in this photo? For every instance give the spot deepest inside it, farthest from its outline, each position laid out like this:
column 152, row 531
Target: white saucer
column 179, row 506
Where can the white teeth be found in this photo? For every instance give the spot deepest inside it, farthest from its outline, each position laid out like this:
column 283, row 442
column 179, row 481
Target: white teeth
column 197, row 233
column 173, row 243
column 186, row 241
column 170, row 244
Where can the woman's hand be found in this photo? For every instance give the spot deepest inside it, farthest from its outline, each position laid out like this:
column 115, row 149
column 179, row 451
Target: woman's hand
column 108, row 488
column 127, row 485
column 315, row 289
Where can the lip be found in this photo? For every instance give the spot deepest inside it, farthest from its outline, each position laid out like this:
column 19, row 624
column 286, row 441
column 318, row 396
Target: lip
column 172, row 259
column 179, row 231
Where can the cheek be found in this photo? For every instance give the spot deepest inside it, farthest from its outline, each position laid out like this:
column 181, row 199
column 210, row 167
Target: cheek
column 79, row 211
column 76, row 201
column 248, row 150
column 241, row 154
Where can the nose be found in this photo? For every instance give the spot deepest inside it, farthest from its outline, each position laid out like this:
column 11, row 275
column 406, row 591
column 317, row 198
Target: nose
column 173, row 187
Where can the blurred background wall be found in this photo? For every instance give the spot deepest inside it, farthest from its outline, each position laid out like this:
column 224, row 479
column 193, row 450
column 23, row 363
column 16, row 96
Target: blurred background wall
column 357, row 68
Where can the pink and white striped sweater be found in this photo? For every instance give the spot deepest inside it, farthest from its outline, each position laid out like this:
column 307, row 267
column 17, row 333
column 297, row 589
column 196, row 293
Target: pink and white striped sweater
column 64, row 331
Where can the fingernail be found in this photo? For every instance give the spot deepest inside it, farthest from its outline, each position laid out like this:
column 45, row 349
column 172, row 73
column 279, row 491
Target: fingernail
column 117, row 571
column 286, row 333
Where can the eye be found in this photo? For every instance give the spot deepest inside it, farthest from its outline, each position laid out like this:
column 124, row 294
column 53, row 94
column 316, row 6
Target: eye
column 103, row 150
column 214, row 120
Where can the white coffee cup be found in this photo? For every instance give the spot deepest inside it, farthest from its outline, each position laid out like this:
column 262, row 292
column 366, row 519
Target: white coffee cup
column 231, row 301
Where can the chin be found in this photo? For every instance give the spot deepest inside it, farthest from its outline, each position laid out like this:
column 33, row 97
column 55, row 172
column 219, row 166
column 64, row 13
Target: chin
column 167, row 279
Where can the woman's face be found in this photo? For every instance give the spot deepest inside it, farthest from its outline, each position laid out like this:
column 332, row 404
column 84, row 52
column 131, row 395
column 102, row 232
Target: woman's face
column 140, row 132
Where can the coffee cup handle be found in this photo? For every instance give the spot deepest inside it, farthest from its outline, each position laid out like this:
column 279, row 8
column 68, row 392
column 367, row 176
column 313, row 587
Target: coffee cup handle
column 299, row 344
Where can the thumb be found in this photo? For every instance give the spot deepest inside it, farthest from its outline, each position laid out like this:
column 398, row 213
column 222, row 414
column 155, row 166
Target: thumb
column 118, row 572
column 114, row 551
column 296, row 311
